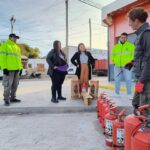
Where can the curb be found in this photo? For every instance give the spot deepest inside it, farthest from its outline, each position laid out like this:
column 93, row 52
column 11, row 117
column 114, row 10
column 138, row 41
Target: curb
column 113, row 88
column 45, row 110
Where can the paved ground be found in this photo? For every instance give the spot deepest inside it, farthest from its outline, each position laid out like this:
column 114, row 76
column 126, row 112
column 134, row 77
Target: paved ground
column 51, row 132
column 36, row 93
column 38, row 124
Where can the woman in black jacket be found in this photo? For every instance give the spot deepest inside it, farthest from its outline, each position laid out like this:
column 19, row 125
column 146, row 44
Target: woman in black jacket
column 57, row 62
column 84, row 62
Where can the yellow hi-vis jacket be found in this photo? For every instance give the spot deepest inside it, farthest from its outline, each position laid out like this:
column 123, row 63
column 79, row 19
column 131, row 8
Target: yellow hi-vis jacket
column 122, row 54
column 10, row 56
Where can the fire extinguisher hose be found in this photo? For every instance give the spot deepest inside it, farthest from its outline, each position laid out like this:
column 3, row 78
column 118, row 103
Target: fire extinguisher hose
column 146, row 124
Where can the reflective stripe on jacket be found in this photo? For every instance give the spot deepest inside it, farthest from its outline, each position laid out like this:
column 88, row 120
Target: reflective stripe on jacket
column 122, row 54
column 10, row 56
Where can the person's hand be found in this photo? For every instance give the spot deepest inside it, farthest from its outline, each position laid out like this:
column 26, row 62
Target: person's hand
column 129, row 65
column 6, row 72
column 77, row 66
column 139, row 87
column 55, row 67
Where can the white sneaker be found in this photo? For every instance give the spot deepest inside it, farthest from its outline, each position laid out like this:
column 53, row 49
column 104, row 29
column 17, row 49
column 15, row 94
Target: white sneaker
column 115, row 95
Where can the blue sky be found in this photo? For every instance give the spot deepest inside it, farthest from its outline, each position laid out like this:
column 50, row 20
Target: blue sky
column 40, row 22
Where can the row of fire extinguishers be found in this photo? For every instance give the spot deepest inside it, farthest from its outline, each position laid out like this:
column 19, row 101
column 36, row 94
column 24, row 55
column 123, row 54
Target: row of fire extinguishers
column 123, row 132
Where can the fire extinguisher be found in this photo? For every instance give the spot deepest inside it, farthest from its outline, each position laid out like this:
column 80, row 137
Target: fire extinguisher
column 140, row 139
column 84, row 88
column 105, row 110
column 104, row 106
column 100, row 98
column 131, row 122
column 109, row 119
column 100, row 108
column 118, row 130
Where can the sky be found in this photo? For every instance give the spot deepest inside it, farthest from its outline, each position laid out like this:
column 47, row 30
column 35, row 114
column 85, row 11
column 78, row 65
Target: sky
column 40, row 22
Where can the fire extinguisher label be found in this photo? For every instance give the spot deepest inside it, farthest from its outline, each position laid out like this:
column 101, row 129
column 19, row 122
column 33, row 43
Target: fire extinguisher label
column 108, row 128
column 120, row 136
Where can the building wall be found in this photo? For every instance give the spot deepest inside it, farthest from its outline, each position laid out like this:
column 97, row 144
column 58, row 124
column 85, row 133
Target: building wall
column 38, row 65
column 120, row 24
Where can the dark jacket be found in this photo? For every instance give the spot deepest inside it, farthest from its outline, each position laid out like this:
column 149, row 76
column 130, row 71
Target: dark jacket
column 53, row 60
column 75, row 60
column 142, row 53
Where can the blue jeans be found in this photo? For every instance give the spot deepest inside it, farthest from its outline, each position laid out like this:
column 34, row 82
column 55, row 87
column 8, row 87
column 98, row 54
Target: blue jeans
column 120, row 72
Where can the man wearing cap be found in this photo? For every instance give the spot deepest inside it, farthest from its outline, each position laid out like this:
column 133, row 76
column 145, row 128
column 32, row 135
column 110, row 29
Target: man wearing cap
column 10, row 62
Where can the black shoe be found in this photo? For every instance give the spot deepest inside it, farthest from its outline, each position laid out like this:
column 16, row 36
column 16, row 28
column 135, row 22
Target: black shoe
column 6, row 103
column 15, row 101
column 61, row 98
column 54, row 100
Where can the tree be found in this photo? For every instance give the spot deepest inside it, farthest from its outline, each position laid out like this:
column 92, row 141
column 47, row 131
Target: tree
column 28, row 51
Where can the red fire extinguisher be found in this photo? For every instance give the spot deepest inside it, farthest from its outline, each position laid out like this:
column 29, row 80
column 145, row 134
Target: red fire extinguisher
column 109, row 119
column 105, row 110
column 100, row 108
column 100, row 98
column 118, row 130
column 84, row 88
column 104, row 106
column 140, row 139
column 131, row 122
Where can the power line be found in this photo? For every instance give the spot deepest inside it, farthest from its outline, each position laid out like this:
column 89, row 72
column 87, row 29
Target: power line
column 90, row 3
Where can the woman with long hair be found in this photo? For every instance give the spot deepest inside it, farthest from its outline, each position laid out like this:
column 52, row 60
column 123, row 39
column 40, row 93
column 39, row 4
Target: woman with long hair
column 57, row 62
column 84, row 62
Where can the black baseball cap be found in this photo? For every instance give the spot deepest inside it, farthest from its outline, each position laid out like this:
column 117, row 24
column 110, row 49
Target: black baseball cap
column 13, row 35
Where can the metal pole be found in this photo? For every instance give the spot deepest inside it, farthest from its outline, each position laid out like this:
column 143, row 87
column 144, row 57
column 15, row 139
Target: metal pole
column 90, row 33
column 11, row 27
column 12, row 21
column 67, row 28
column 108, row 47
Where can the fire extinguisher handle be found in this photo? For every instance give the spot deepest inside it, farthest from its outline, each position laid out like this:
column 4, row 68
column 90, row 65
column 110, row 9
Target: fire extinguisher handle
column 113, row 109
column 143, row 118
column 122, row 113
column 141, row 108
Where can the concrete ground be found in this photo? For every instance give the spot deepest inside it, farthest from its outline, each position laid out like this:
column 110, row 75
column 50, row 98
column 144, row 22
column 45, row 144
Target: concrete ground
column 51, row 132
column 36, row 98
column 37, row 93
column 38, row 124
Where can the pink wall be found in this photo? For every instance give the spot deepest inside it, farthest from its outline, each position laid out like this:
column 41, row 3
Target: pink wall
column 120, row 24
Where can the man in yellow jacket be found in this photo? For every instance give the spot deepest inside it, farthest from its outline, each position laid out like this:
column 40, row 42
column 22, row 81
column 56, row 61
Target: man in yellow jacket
column 10, row 62
column 122, row 56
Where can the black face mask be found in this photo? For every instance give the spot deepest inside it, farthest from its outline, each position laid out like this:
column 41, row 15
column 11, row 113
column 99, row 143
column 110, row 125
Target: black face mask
column 122, row 42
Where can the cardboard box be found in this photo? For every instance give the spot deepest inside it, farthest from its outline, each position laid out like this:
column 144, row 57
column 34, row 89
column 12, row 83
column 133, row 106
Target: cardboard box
column 86, row 98
column 75, row 88
column 93, row 90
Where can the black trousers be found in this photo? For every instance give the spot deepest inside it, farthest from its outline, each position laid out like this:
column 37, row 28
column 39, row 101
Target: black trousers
column 57, row 81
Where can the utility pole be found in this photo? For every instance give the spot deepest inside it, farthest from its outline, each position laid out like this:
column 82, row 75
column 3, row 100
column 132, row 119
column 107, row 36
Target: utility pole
column 12, row 21
column 67, row 27
column 90, row 33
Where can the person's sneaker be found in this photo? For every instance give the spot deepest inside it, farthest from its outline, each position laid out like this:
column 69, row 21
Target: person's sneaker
column 15, row 100
column 54, row 100
column 115, row 95
column 6, row 103
column 61, row 98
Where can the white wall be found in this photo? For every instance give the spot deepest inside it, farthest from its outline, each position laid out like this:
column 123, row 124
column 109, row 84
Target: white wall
column 34, row 63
